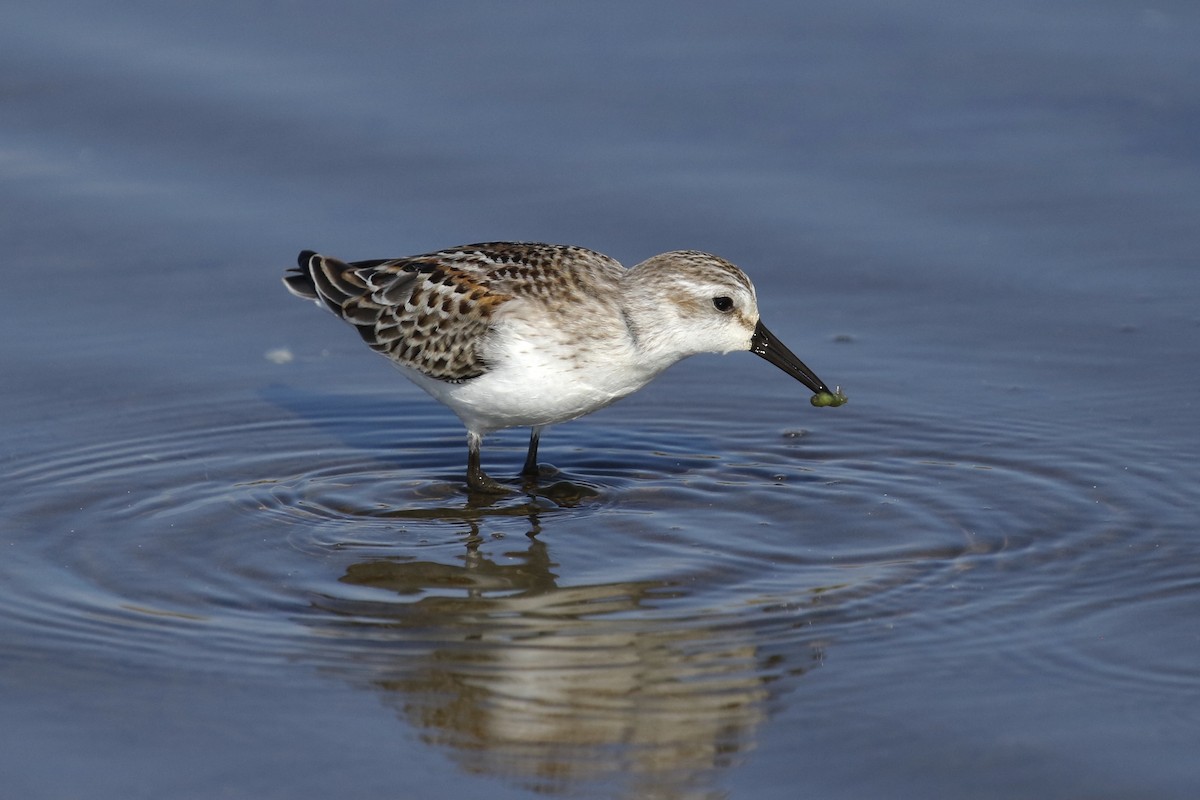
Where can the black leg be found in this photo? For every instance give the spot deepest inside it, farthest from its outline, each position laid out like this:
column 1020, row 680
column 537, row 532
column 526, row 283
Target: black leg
column 477, row 479
column 530, row 470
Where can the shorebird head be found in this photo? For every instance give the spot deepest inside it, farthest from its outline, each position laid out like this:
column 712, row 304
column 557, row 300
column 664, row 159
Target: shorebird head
column 702, row 303
column 706, row 305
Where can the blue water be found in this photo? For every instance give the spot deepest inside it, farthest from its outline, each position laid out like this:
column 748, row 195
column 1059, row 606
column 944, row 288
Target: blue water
column 238, row 559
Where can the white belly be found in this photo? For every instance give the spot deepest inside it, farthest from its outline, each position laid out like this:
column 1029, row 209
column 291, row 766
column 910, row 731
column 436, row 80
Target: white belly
column 541, row 378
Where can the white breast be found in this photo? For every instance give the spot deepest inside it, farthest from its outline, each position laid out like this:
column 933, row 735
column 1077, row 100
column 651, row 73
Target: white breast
column 541, row 375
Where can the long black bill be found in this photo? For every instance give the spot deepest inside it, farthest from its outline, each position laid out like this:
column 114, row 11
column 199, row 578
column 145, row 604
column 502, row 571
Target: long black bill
column 763, row 343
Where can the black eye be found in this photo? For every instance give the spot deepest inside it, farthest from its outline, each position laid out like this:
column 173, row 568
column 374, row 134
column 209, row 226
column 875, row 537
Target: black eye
column 722, row 303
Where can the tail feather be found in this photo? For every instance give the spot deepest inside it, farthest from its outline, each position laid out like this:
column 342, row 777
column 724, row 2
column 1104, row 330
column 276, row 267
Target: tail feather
column 326, row 280
column 298, row 280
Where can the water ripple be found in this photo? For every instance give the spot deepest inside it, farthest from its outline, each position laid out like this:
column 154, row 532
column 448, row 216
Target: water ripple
column 663, row 589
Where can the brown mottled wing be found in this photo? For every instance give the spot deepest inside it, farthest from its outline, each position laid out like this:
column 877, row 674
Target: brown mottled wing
column 560, row 278
column 432, row 312
column 423, row 312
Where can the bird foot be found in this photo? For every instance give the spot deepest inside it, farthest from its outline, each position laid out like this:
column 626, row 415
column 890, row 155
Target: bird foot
column 480, row 481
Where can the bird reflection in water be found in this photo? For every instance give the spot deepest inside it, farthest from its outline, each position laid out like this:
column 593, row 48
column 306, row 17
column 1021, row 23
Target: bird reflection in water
column 556, row 686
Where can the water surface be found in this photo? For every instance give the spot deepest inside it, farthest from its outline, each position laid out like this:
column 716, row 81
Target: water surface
column 239, row 558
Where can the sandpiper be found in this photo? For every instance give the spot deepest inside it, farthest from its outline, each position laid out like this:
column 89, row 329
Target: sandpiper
column 522, row 334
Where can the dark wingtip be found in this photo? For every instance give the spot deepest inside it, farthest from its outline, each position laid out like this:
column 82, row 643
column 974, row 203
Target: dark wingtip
column 300, row 285
column 299, row 280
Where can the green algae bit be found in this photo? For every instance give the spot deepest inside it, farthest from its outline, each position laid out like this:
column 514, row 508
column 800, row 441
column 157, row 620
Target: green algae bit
column 822, row 399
